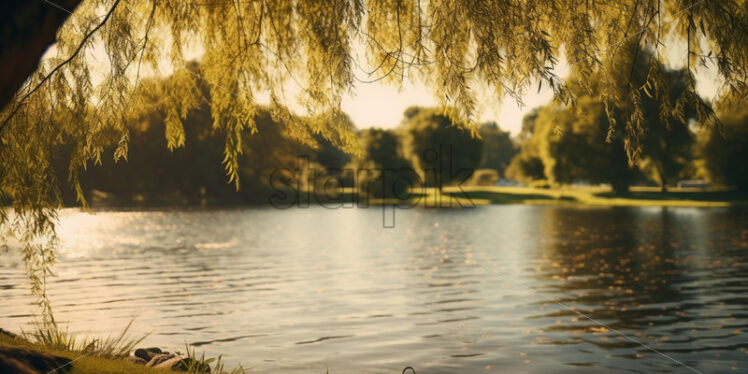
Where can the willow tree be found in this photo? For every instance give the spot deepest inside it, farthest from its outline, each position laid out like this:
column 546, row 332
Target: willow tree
column 582, row 143
column 305, row 52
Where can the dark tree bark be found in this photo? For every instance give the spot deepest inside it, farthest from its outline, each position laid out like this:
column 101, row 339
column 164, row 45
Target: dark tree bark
column 29, row 28
column 663, row 178
column 620, row 173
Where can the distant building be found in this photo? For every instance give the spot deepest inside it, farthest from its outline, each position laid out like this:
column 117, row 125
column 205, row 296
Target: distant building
column 694, row 183
column 508, row 183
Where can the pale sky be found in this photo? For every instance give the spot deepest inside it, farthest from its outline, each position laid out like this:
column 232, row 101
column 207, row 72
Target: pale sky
column 382, row 105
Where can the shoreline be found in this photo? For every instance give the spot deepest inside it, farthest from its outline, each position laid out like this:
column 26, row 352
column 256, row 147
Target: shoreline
column 469, row 196
column 21, row 356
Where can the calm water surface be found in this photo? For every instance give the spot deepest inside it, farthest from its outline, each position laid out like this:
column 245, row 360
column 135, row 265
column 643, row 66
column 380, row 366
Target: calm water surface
column 489, row 289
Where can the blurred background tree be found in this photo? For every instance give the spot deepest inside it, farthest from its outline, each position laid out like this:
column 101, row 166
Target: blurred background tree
column 441, row 150
column 582, row 143
column 526, row 166
column 667, row 144
column 382, row 170
column 498, row 148
column 723, row 151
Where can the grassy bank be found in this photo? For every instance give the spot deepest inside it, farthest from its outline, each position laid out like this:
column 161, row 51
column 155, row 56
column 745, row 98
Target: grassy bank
column 83, row 364
column 111, row 357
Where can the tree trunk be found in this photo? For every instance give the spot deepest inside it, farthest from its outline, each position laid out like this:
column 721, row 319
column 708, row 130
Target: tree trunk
column 663, row 180
column 29, row 28
column 620, row 187
column 619, row 173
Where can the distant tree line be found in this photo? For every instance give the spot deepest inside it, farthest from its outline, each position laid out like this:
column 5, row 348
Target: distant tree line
column 557, row 145
column 427, row 149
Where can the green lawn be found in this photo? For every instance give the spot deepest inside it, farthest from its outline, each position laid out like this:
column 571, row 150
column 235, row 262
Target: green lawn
column 638, row 196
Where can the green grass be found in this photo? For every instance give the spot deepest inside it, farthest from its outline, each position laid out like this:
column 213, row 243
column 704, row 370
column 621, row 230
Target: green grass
column 50, row 335
column 197, row 364
column 638, row 196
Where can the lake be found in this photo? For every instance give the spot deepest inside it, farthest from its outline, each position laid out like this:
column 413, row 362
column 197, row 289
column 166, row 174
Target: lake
column 502, row 288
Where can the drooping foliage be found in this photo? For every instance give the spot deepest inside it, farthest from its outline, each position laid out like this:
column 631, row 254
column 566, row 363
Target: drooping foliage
column 90, row 87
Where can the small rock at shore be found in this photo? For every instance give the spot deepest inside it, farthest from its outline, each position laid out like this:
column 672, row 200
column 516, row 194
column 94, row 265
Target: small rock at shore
column 147, row 354
column 159, row 358
column 156, row 358
column 25, row 361
column 168, row 364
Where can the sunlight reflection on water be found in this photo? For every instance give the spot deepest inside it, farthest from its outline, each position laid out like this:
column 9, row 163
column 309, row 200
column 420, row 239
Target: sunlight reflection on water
column 445, row 291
